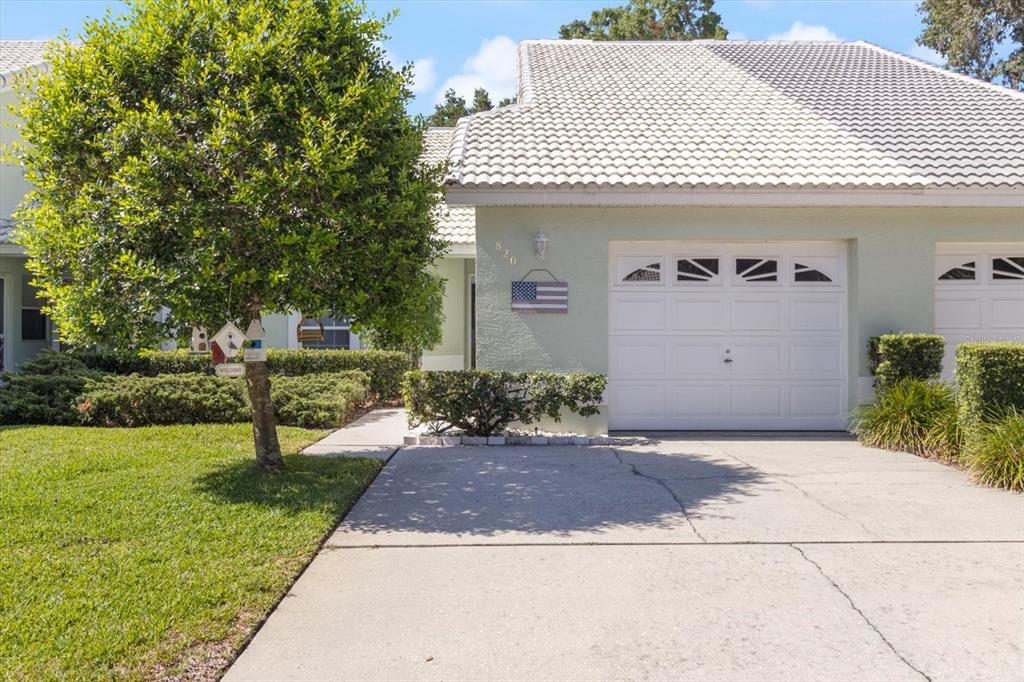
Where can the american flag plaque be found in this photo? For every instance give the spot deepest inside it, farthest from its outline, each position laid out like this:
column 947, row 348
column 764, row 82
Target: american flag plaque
column 540, row 297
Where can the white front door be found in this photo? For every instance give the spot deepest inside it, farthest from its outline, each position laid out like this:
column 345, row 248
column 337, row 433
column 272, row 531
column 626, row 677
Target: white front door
column 727, row 336
column 979, row 294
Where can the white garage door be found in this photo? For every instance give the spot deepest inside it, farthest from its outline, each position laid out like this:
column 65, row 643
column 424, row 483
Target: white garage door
column 727, row 336
column 979, row 294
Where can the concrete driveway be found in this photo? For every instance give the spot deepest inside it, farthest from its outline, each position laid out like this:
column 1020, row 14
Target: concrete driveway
column 723, row 559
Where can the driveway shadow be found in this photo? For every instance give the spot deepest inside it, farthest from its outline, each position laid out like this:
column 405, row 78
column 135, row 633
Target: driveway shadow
column 556, row 492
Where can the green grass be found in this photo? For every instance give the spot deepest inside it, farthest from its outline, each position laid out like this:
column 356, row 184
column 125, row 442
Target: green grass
column 137, row 553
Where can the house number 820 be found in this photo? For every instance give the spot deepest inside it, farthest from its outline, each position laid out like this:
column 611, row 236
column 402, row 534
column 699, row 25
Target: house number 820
column 504, row 253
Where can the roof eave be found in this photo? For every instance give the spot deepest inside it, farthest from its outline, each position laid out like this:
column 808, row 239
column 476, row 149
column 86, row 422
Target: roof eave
column 486, row 196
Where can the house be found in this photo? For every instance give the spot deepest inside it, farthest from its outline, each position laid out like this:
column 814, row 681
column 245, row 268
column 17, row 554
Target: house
column 25, row 330
column 733, row 220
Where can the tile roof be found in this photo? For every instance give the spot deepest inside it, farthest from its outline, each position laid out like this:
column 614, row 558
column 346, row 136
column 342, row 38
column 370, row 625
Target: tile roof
column 6, row 231
column 18, row 55
column 777, row 115
column 456, row 224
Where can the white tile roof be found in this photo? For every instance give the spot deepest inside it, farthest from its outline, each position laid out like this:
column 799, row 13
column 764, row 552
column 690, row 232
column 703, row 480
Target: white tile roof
column 776, row 115
column 456, row 224
column 18, row 55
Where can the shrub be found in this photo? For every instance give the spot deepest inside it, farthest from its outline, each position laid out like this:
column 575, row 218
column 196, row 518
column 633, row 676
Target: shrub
column 905, row 356
column 317, row 400
column 383, row 367
column 912, row 415
column 136, row 400
column 991, row 380
column 44, row 391
column 995, row 451
column 484, row 402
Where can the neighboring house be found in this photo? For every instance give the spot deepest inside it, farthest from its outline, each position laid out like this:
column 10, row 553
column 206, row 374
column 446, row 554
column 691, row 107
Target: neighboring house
column 24, row 330
column 735, row 219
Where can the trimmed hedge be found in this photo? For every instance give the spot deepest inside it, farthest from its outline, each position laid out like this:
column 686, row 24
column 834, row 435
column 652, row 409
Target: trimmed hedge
column 318, row 400
column 136, row 400
column 991, row 380
column 312, row 400
column 44, row 391
column 905, row 356
column 485, row 402
column 384, row 368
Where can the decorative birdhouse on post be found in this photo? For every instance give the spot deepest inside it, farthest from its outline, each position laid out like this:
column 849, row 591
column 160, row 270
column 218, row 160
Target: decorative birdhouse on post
column 310, row 330
column 200, row 342
column 227, row 343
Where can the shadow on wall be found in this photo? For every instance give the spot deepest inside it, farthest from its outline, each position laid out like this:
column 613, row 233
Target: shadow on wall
column 485, row 491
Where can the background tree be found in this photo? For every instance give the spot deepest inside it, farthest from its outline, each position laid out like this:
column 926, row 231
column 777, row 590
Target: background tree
column 650, row 20
column 981, row 38
column 452, row 107
column 225, row 159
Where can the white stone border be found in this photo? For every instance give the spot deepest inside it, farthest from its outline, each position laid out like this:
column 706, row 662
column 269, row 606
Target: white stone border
column 516, row 440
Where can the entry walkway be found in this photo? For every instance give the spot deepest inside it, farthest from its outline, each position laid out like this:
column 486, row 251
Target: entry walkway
column 376, row 434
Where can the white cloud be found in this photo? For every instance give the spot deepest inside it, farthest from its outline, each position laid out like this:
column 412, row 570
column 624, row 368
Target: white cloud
column 424, row 75
column 493, row 68
column 801, row 31
column 738, row 35
column 926, row 54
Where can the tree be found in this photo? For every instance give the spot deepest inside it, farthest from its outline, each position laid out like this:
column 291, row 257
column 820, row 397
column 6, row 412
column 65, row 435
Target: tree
column 981, row 38
column 449, row 110
column 650, row 20
column 222, row 160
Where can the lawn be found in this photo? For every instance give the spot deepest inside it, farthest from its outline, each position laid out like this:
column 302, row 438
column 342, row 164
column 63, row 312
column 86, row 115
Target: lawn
column 152, row 552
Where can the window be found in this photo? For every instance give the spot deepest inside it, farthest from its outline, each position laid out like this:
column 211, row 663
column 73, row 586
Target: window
column 648, row 273
column 964, row 271
column 757, row 269
column 33, row 322
column 336, row 334
column 805, row 273
column 696, row 269
column 1008, row 267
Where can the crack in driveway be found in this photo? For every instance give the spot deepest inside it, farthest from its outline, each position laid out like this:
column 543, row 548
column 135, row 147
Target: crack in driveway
column 668, row 489
column 860, row 613
column 794, row 486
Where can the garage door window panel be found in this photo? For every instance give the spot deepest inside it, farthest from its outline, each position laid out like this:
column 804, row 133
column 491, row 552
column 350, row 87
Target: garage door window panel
column 757, row 270
column 697, row 270
column 639, row 270
column 1008, row 269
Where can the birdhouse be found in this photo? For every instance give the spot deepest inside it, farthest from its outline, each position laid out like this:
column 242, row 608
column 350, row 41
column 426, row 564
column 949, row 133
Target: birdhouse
column 229, row 340
column 310, row 330
column 200, row 342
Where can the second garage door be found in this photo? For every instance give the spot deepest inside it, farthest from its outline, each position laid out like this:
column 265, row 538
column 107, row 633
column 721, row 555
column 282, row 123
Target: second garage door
column 727, row 336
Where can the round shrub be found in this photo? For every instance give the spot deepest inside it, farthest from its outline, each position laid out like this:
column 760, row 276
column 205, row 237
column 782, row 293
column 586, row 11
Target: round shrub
column 912, row 415
column 995, row 452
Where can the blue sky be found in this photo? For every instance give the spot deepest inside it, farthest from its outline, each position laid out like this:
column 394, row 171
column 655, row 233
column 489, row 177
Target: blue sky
column 469, row 43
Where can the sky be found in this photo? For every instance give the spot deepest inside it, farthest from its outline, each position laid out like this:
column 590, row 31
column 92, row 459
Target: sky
column 464, row 44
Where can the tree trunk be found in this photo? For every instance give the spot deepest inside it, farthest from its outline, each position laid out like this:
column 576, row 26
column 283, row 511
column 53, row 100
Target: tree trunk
column 264, row 428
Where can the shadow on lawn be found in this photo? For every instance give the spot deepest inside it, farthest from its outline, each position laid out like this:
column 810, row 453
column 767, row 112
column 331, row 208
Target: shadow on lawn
column 306, row 484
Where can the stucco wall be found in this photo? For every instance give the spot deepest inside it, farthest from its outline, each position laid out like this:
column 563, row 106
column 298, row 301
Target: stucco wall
column 12, row 181
column 891, row 263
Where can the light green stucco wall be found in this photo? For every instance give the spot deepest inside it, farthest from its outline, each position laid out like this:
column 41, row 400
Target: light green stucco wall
column 451, row 353
column 890, row 264
column 12, row 180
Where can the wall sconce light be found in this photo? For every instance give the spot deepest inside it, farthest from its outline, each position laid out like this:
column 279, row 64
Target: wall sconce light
column 540, row 245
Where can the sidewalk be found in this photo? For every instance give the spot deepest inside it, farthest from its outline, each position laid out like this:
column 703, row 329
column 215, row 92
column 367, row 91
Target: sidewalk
column 376, row 434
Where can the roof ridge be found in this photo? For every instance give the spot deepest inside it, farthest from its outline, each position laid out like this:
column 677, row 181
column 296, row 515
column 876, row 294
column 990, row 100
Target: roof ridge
column 946, row 72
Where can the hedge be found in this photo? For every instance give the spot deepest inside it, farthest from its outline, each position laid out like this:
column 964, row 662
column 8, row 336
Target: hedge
column 990, row 376
column 44, row 391
column 136, row 400
column 384, row 368
column 311, row 401
column 905, row 356
column 485, row 402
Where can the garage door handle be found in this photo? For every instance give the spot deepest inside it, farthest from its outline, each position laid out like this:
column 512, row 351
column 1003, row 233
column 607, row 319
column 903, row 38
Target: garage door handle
column 727, row 360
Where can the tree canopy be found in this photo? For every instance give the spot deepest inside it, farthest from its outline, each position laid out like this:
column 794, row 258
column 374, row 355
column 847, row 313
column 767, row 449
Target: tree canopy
column 981, row 38
column 220, row 160
column 650, row 20
column 449, row 110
